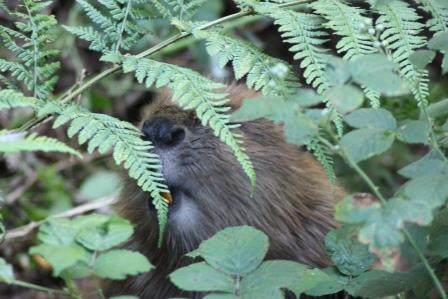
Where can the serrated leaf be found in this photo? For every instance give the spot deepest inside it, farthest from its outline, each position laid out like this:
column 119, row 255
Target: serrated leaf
column 114, row 232
column 414, row 131
column 380, row 227
column 345, row 98
column 431, row 163
column 202, row 277
column 235, row 250
column 119, row 263
column 439, row 42
column 421, row 58
column 351, row 257
column 57, row 231
column 61, row 256
column 371, row 118
column 362, row 144
column 376, row 72
column 367, row 284
column 267, row 281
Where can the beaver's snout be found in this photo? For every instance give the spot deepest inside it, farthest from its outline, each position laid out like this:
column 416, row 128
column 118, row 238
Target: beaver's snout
column 163, row 132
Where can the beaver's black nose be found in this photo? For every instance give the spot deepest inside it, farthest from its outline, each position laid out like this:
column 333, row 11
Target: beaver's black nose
column 162, row 132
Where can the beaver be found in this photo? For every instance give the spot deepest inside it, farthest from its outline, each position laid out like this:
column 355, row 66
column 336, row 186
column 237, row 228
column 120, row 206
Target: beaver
column 292, row 202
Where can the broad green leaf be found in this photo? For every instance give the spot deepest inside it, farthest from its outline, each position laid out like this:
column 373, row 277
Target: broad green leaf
column 336, row 282
column 306, row 97
column 371, row 118
column 421, row 58
column 202, row 277
column 351, row 257
column 376, row 72
column 381, row 226
column 267, row 280
column 436, row 109
column 61, row 256
column 235, row 250
column 345, row 98
column 431, row 163
column 414, row 131
column 118, row 263
column 6, row 272
column 114, row 232
column 57, row 231
column 430, row 190
column 277, row 109
column 380, row 284
column 100, row 184
column 439, row 246
column 439, row 42
column 362, row 144
column 299, row 129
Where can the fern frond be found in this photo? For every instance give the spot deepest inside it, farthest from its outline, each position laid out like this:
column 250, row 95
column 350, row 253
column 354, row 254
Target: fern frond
column 31, row 45
column 14, row 99
column 193, row 91
column 322, row 155
column 270, row 75
column 305, row 32
column 349, row 22
column 16, row 142
column 401, row 37
column 104, row 133
column 179, row 9
column 439, row 13
column 119, row 29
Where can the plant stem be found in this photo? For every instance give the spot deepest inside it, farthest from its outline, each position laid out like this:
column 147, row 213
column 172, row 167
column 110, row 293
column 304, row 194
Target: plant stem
column 406, row 233
column 39, row 288
column 151, row 51
column 432, row 134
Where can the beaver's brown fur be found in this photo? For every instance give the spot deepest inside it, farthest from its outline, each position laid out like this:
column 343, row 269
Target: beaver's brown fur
column 292, row 203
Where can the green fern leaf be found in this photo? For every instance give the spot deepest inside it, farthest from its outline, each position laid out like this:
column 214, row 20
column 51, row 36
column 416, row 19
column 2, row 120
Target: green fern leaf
column 401, row 37
column 349, row 22
column 14, row 99
column 322, row 155
column 104, row 133
column 119, row 28
column 270, row 75
column 305, row 32
column 178, row 9
column 15, row 142
column 193, row 91
column 439, row 12
column 31, row 46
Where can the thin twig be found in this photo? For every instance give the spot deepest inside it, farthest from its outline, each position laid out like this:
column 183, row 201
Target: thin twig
column 30, row 227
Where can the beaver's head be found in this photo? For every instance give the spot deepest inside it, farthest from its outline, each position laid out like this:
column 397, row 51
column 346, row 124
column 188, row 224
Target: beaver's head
column 209, row 188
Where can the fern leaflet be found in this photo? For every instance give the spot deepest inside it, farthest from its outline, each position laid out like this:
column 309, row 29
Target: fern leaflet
column 118, row 30
column 322, row 155
column 15, row 142
column 193, row 91
column 13, row 99
column 305, row 32
column 106, row 133
column 30, row 44
column 401, row 36
column 270, row 75
column 178, row 9
column 439, row 12
column 350, row 23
